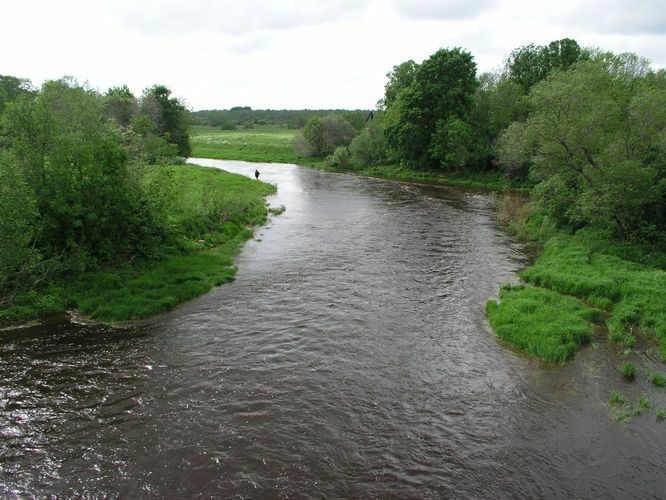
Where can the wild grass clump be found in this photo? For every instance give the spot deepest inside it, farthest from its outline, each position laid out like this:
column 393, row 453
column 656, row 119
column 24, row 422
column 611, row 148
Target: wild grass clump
column 661, row 414
column 643, row 406
column 620, row 406
column 629, row 371
column 657, row 379
column 618, row 399
column 541, row 322
column 622, row 416
column 277, row 210
column 513, row 210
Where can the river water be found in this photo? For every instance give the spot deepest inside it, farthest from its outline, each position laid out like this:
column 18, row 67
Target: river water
column 350, row 358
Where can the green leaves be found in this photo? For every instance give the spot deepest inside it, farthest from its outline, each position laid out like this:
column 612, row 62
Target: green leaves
column 594, row 140
column 428, row 108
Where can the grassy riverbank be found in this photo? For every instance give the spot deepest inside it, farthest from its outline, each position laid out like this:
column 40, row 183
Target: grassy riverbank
column 209, row 214
column 578, row 279
column 275, row 145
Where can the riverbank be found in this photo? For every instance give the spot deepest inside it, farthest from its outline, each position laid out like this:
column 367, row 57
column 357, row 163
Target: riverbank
column 275, row 145
column 209, row 214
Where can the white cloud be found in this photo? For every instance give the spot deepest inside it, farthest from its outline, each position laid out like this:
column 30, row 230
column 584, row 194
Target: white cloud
column 228, row 16
column 443, row 9
column 619, row 17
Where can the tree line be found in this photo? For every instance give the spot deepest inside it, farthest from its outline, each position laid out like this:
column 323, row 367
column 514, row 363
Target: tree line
column 584, row 128
column 244, row 117
column 72, row 161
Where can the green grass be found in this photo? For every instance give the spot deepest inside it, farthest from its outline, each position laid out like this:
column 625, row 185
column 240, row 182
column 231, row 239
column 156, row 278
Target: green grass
column 269, row 145
column 618, row 399
column 208, row 212
column 661, row 414
column 541, row 322
column 620, row 408
column 657, row 379
column 634, row 293
column 643, row 406
column 139, row 293
column 629, row 371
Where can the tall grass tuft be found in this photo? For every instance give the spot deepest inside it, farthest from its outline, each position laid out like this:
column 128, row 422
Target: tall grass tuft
column 657, row 379
column 629, row 371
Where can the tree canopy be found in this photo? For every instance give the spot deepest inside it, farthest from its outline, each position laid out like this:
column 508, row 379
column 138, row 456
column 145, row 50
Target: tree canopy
column 427, row 109
column 595, row 142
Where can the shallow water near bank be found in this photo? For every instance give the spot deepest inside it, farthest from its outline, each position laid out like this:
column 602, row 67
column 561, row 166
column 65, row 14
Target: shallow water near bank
column 350, row 358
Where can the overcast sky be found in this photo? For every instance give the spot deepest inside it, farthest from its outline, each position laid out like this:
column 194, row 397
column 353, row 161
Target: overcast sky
column 296, row 53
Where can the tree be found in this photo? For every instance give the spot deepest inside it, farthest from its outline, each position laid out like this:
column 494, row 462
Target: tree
column 169, row 115
column 498, row 102
column 369, row 147
column 11, row 88
column 399, row 78
column 18, row 215
column 529, row 64
column 428, row 119
column 324, row 135
column 121, row 105
column 595, row 144
column 74, row 162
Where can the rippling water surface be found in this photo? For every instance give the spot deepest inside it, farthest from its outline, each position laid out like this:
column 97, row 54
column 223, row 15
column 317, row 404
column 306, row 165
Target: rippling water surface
column 350, row 358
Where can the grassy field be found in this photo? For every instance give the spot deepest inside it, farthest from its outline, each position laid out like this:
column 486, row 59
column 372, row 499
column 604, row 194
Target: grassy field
column 273, row 145
column 209, row 213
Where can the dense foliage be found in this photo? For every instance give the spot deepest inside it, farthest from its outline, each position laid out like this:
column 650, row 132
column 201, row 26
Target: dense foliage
column 594, row 143
column 71, row 164
column 428, row 108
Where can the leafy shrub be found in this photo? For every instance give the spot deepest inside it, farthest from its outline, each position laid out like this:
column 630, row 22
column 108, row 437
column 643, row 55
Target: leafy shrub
column 340, row 158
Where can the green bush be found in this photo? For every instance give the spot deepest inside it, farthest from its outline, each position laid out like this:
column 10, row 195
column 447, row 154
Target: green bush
column 340, row 158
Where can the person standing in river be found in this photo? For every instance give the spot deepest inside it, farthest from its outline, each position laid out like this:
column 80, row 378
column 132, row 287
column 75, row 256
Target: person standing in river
column 256, row 174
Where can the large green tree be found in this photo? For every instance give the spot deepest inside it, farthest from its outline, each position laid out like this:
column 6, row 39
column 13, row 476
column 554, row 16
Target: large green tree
column 399, row 78
column 427, row 120
column 170, row 116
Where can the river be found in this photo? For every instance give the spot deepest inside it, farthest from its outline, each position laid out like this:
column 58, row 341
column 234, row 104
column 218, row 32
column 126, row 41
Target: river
column 350, row 358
